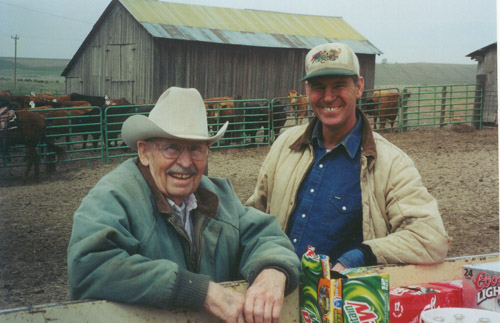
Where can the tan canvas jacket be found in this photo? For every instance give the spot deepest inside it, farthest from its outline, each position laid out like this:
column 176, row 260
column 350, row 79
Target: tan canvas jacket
column 401, row 221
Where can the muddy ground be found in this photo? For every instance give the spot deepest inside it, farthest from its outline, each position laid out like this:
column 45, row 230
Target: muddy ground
column 459, row 168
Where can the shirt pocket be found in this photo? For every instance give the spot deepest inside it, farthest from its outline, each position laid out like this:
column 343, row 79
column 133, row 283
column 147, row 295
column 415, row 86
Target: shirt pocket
column 346, row 218
column 345, row 204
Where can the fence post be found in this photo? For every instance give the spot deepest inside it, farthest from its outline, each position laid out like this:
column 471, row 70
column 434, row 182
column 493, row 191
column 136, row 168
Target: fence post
column 404, row 111
column 443, row 107
column 478, row 101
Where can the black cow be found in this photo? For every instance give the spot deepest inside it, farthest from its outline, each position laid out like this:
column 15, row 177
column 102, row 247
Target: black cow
column 278, row 117
column 6, row 101
column 257, row 117
column 95, row 101
column 114, row 118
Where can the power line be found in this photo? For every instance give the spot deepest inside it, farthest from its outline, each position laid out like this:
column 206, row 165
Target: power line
column 46, row 13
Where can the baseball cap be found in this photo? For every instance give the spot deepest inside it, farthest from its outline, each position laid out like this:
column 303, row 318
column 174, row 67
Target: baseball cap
column 331, row 59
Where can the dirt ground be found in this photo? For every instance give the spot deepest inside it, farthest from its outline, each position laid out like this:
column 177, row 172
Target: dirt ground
column 459, row 168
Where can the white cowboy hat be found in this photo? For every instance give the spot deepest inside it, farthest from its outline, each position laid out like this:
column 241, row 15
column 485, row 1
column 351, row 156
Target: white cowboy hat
column 178, row 114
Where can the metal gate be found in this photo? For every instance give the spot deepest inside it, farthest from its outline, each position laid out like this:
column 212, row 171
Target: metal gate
column 423, row 106
column 437, row 106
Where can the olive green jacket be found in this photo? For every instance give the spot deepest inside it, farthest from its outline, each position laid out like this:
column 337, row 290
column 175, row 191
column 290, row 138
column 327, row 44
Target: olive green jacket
column 126, row 248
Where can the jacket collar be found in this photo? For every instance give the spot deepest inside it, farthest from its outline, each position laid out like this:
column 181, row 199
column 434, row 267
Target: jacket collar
column 367, row 141
column 208, row 202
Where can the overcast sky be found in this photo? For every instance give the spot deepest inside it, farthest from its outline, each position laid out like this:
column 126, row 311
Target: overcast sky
column 432, row 31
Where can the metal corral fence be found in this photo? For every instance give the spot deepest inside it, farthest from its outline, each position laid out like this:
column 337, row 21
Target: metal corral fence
column 252, row 122
column 70, row 128
column 423, row 106
column 436, row 106
column 91, row 134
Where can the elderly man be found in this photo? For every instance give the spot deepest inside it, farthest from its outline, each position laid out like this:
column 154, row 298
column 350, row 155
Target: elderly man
column 336, row 185
column 156, row 232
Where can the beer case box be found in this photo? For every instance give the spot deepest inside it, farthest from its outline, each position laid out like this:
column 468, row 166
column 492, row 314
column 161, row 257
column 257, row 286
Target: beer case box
column 365, row 295
column 408, row 302
column 481, row 286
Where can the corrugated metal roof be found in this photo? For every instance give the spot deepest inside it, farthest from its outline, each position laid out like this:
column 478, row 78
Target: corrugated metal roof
column 243, row 27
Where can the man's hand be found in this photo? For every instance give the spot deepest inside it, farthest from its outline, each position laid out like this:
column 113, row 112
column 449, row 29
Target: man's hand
column 224, row 303
column 264, row 299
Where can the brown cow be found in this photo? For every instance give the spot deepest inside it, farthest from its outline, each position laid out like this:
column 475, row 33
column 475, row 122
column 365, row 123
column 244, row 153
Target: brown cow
column 30, row 132
column 222, row 109
column 386, row 107
column 223, row 104
column 299, row 104
column 58, row 119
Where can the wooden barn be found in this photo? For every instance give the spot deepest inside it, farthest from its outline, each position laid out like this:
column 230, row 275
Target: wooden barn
column 487, row 76
column 139, row 48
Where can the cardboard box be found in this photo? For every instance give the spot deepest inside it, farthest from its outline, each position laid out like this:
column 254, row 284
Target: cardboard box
column 407, row 303
column 314, row 293
column 365, row 296
column 481, row 286
column 356, row 295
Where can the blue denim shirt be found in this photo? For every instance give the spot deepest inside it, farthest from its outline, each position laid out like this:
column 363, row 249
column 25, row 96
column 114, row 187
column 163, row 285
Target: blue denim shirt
column 328, row 215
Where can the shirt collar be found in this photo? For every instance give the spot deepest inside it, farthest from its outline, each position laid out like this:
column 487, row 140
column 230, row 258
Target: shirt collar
column 351, row 142
column 187, row 205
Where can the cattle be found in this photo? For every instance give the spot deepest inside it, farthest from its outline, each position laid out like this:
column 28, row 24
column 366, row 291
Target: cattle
column 384, row 105
column 278, row 117
column 36, row 100
column 5, row 101
column 114, row 117
column 95, row 101
column 60, row 120
column 256, row 117
column 20, row 100
column 222, row 109
column 298, row 104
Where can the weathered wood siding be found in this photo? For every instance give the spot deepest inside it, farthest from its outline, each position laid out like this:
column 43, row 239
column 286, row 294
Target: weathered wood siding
column 227, row 70
column 367, row 69
column 489, row 68
column 116, row 61
column 230, row 70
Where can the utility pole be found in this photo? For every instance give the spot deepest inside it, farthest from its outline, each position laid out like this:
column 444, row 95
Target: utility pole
column 16, row 37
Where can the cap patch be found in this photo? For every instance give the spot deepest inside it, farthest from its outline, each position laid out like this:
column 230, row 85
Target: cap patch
column 322, row 56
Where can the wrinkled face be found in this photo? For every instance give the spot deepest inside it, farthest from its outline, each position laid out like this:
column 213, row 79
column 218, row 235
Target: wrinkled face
column 333, row 100
column 176, row 165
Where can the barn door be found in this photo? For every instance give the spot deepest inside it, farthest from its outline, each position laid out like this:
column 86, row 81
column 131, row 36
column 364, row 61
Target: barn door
column 120, row 73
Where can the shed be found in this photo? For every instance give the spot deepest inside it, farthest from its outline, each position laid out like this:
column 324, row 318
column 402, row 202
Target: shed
column 139, row 48
column 487, row 76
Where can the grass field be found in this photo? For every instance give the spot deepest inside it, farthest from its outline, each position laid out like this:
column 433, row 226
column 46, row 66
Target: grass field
column 388, row 75
column 44, row 75
column 33, row 74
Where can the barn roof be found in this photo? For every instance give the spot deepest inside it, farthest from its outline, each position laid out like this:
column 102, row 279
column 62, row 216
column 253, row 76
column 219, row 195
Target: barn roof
column 246, row 27
column 243, row 26
column 481, row 52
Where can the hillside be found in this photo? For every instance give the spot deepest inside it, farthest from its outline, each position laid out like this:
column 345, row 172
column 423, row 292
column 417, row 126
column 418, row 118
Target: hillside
column 33, row 67
column 386, row 75
column 424, row 74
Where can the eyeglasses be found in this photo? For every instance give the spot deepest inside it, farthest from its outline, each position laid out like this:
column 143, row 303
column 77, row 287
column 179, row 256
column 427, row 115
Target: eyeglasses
column 173, row 151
